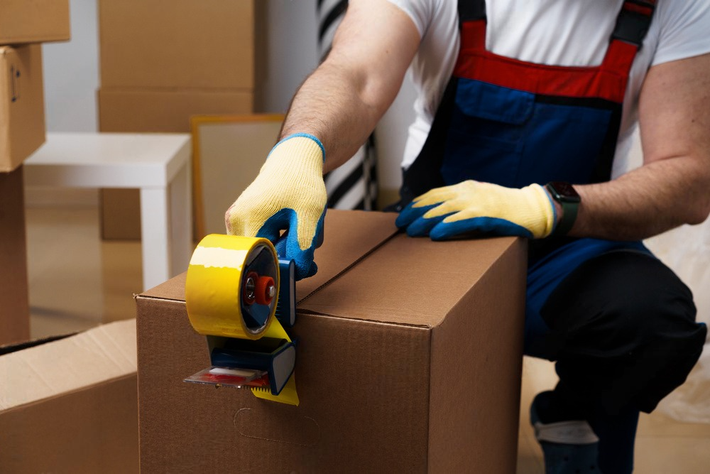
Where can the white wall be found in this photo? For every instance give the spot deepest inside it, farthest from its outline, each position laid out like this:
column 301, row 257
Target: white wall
column 289, row 55
column 290, row 48
column 71, row 72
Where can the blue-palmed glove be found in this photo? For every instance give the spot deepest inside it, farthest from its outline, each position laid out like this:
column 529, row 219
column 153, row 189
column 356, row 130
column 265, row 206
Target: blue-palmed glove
column 288, row 194
column 472, row 206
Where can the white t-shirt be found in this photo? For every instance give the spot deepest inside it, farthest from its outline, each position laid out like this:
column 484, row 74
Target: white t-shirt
column 553, row 32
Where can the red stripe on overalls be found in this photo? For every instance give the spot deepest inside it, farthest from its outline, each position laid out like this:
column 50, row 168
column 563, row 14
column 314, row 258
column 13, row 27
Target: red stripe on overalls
column 606, row 81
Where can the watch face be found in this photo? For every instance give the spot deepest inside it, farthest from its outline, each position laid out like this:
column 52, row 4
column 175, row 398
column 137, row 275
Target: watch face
column 564, row 191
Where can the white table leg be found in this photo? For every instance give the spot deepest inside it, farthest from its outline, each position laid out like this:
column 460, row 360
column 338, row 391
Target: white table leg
column 180, row 221
column 155, row 242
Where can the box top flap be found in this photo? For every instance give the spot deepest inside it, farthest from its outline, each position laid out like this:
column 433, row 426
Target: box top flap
column 97, row 355
column 409, row 281
column 349, row 236
column 403, row 280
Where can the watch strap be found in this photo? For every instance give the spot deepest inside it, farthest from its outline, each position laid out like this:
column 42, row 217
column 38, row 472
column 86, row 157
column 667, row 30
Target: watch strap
column 569, row 216
column 569, row 203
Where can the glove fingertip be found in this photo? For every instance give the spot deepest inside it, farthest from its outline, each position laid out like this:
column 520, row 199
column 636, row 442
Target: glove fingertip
column 313, row 270
column 304, row 268
column 419, row 228
column 440, row 232
column 404, row 219
column 410, row 214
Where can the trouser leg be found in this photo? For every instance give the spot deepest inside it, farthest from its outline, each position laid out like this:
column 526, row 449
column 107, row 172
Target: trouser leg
column 623, row 330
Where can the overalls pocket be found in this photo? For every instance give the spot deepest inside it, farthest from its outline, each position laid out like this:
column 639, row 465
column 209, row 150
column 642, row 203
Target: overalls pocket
column 565, row 141
column 485, row 139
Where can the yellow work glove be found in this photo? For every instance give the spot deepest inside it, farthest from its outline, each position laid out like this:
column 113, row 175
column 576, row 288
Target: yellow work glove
column 474, row 207
column 288, row 194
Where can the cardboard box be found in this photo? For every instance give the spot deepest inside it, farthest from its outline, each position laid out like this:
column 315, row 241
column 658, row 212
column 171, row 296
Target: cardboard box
column 70, row 405
column 409, row 360
column 165, row 111
column 130, row 110
column 22, row 128
column 34, row 21
column 120, row 214
column 14, row 301
column 177, row 44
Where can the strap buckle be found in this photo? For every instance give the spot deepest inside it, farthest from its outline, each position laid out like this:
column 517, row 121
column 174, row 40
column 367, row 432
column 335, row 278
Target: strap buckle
column 633, row 21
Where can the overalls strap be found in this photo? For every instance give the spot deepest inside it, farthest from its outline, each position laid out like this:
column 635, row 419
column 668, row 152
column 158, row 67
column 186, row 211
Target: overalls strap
column 471, row 10
column 633, row 21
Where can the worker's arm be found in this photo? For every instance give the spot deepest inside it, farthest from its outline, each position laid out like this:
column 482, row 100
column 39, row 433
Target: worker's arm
column 330, row 118
column 673, row 185
column 342, row 101
column 671, row 188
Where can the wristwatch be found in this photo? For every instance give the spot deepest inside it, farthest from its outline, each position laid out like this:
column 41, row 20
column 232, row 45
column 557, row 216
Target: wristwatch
column 568, row 198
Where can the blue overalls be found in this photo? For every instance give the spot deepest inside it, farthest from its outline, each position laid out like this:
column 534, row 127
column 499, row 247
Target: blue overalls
column 514, row 123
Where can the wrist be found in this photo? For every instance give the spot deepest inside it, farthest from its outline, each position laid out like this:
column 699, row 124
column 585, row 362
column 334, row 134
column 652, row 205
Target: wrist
column 304, row 142
column 566, row 202
column 296, row 154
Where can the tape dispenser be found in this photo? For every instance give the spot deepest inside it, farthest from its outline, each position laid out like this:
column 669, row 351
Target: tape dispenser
column 241, row 297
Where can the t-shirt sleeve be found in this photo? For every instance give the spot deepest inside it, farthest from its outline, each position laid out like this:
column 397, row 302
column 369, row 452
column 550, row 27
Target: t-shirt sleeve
column 418, row 10
column 685, row 30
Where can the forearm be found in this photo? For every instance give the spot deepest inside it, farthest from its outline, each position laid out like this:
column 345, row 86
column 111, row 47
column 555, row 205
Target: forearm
column 342, row 101
column 645, row 202
column 332, row 107
column 673, row 186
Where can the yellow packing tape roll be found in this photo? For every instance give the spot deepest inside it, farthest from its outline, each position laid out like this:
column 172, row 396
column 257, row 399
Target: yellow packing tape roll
column 214, row 295
column 215, row 285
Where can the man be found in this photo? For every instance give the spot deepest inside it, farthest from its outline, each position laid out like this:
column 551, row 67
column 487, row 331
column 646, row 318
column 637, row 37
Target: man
column 524, row 116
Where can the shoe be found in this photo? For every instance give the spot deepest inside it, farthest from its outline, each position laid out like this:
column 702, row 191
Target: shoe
column 569, row 447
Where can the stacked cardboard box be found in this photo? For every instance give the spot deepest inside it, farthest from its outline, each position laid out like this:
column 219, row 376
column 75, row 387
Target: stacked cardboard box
column 34, row 21
column 23, row 24
column 162, row 62
column 14, row 301
column 409, row 360
column 69, row 404
column 22, row 128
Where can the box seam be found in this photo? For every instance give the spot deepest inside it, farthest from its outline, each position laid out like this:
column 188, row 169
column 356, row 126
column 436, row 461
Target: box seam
column 348, row 267
column 352, row 318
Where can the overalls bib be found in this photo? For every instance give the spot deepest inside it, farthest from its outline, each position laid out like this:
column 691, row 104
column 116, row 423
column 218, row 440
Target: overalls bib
column 513, row 123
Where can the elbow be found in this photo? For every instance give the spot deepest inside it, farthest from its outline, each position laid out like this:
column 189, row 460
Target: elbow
column 698, row 209
column 699, row 215
column 698, row 193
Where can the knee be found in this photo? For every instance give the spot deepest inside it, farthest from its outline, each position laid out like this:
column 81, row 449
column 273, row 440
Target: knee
column 662, row 322
column 617, row 303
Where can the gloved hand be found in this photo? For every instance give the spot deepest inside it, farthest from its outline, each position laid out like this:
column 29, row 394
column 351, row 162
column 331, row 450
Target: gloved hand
column 472, row 206
column 288, row 194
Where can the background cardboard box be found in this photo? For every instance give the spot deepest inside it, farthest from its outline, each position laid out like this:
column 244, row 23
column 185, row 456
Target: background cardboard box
column 14, row 301
column 164, row 111
column 34, row 21
column 163, row 62
column 180, row 44
column 409, row 360
column 22, row 127
column 70, row 405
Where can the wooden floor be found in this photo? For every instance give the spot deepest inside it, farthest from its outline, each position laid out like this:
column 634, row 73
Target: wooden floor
column 77, row 282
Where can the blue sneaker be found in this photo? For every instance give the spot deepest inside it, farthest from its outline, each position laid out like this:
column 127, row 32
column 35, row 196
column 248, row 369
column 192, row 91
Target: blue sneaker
column 569, row 447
